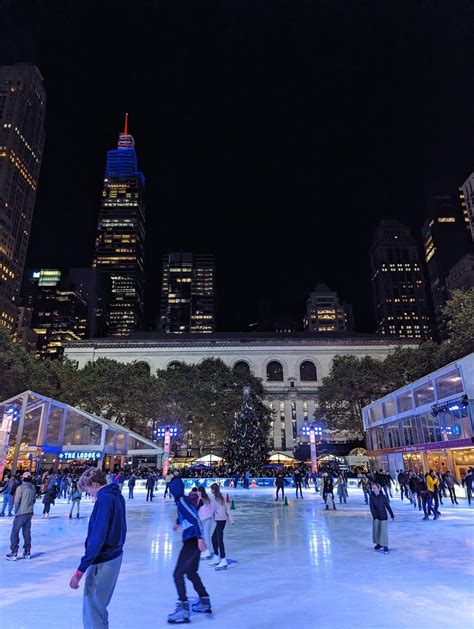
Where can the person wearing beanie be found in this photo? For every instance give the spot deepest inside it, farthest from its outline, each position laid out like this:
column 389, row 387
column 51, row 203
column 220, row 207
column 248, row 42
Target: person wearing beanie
column 25, row 498
column 188, row 560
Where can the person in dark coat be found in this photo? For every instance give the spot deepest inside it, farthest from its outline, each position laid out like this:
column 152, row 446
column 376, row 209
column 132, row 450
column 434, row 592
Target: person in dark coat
column 48, row 500
column 467, row 482
column 298, row 479
column 150, row 486
column 131, row 486
column 379, row 506
column 280, row 484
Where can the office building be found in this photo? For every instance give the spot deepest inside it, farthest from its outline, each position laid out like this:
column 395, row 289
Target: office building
column 22, row 109
column 445, row 241
column 467, row 202
column 187, row 295
column 94, row 288
column 325, row 313
column 461, row 276
column 120, row 242
column 398, row 286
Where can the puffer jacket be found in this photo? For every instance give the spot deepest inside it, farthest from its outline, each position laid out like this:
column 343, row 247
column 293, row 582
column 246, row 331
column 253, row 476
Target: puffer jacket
column 432, row 483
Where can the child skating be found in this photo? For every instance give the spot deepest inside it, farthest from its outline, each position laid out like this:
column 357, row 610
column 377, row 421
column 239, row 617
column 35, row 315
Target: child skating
column 188, row 560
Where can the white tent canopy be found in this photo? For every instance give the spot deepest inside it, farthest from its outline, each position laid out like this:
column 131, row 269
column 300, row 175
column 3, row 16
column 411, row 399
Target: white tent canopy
column 281, row 457
column 208, row 458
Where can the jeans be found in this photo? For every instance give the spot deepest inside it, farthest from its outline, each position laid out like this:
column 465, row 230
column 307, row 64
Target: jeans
column 206, row 532
column 469, row 493
column 130, row 492
column 385, row 491
column 434, row 499
column 298, row 486
column 282, row 492
column 99, row 587
column 366, row 496
column 167, row 488
column 452, row 494
column 218, row 539
column 75, row 502
column 7, row 500
column 22, row 522
column 380, row 532
column 188, row 563
column 149, row 494
column 47, row 507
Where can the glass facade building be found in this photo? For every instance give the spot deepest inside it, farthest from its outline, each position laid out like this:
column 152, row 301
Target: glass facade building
column 120, row 242
column 187, row 295
column 39, row 433
column 22, row 135
column 427, row 424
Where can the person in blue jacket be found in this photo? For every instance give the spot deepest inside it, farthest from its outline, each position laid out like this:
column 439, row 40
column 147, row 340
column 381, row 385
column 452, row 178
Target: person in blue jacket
column 104, row 548
column 188, row 560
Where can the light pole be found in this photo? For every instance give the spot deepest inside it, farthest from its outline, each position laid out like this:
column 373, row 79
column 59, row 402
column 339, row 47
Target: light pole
column 166, row 432
column 313, row 430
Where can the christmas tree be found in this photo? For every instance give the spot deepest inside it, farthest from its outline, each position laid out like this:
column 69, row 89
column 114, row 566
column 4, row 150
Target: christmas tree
column 247, row 445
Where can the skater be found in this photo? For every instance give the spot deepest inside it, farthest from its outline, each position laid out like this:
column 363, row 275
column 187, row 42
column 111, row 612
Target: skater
column 48, row 500
column 314, row 478
column 328, row 491
column 450, row 483
column 188, row 560
column 75, row 496
column 104, row 543
column 425, row 499
column 402, row 481
column 25, row 498
column 467, row 481
column 366, row 487
column 8, row 492
column 222, row 515
column 119, row 479
column 342, row 488
column 194, row 497
column 379, row 505
column 280, row 484
column 381, row 480
column 205, row 515
column 298, row 479
column 413, row 485
column 236, row 479
column 247, row 479
column 131, row 486
column 150, row 486
column 168, row 478
column 432, row 483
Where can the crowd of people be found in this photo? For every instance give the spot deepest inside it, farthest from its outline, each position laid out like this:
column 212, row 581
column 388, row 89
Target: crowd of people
column 201, row 516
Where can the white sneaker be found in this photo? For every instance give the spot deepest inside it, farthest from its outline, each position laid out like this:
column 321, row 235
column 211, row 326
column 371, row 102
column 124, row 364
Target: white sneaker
column 222, row 564
column 214, row 561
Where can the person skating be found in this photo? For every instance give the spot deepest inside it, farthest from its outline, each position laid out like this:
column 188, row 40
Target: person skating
column 104, row 548
column 379, row 506
column 328, row 491
column 168, row 478
column 366, row 484
column 342, row 488
column 403, row 481
column 280, row 484
column 131, row 486
column 467, row 482
column 25, row 498
column 188, row 560
column 8, row 492
column 75, row 496
column 150, row 486
column 432, row 483
column 298, row 479
column 314, row 478
column 382, row 480
column 450, row 483
column 425, row 496
column 205, row 512
column 49, row 499
column 222, row 515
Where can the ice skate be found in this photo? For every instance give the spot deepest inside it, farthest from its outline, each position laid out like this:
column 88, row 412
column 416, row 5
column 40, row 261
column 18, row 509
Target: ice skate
column 327, row 507
column 11, row 557
column 214, row 561
column 377, row 547
column 204, row 605
column 26, row 555
column 180, row 615
column 222, row 565
column 385, row 550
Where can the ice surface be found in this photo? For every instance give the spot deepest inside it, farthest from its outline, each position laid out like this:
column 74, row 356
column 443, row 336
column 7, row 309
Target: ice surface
column 295, row 567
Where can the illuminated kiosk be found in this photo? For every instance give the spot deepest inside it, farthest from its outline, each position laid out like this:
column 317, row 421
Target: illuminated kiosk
column 39, row 433
column 427, row 424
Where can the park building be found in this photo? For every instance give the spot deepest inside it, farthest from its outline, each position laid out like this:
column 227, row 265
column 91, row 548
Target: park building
column 426, row 425
column 291, row 367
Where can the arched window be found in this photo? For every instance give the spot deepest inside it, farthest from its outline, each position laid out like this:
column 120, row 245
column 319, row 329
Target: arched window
column 143, row 366
column 274, row 371
column 241, row 368
column 174, row 365
column 308, row 372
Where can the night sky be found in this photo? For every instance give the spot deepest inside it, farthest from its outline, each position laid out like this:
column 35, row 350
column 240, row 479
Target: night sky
column 274, row 136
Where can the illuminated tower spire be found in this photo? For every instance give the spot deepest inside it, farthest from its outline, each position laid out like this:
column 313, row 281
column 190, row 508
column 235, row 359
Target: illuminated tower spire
column 126, row 140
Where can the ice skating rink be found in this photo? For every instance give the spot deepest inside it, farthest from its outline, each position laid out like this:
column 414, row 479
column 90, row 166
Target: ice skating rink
column 292, row 567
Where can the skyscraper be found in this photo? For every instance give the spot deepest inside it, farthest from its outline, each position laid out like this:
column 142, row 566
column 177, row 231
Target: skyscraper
column 467, row 202
column 325, row 313
column 398, row 286
column 445, row 242
column 22, row 109
column 120, row 242
column 187, row 295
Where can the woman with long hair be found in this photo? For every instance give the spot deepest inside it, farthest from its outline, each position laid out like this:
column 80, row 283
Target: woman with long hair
column 205, row 511
column 221, row 514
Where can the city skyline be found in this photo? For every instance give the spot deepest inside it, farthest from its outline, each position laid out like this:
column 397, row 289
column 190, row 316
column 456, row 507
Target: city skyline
column 280, row 157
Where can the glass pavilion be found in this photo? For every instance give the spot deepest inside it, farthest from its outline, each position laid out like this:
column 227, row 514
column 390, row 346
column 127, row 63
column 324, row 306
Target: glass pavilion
column 39, row 433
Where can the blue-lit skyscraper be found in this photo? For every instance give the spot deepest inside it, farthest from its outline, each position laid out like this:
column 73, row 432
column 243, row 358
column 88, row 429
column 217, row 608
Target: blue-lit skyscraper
column 120, row 242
